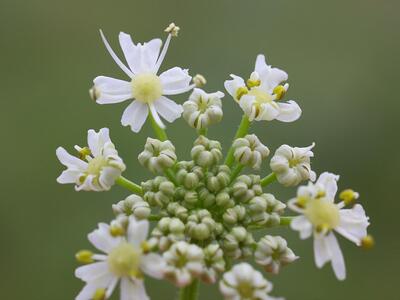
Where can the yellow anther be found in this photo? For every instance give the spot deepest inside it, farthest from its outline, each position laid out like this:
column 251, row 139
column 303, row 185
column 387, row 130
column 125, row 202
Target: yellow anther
column 99, row 294
column 279, row 92
column 199, row 80
column 320, row 194
column 348, row 196
column 145, row 247
column 84, row 256
column 94, row 93
column 253, row 83
column 301, row 202
column 172, row 29
column 367, row 242
column 116, row 230
column 240, row 92
column 83, row 152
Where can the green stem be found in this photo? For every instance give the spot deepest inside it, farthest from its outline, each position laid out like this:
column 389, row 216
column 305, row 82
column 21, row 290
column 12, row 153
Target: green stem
column 286, row 220
column 129, row 185
column 241, row 132
column 202, row 131
column 160, row 133
column 190, row 292
column 154, row 218
column 236, row 171
column 268, row 179
column 171, row 176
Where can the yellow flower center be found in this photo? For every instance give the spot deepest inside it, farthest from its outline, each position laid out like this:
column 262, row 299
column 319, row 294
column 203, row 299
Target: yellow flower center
column 95, row 165
column 246, row 290
column 260, row 95
column 124, row 260
column 146, row 87
column 323, row 214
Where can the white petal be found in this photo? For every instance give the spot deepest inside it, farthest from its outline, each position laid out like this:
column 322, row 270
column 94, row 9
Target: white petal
column 133, row 290
column 70, row 161
column 163, row 53
column 153, row 265
column 288, row 112
column 69, row 176
column 353, row 223
column 175, row 81
column 135, row 115
column 302, row 225
column 140, row 58
column 321, row 252
column 102, row 239
column 336, row 257
column 168, row 109
column 232, row 85
column 137, row 231
column 114, row 56
column 329, row 183
column 112, row 90
column 97, row 140
column 92, row 271
column 261, row 66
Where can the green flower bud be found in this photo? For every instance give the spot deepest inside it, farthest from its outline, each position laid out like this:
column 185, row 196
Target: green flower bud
column 238, row 242
column 200, row 225
column 218, row 178
column 206, row 153
column 250, row 151
column 234, row 215
column 207, row 198
column 167, row 231
column 157, row 155
column 159, row 191
column 223, row 199
column 246, row 187
column 265, row 210
column 214, row 263
column 133, row 204
column 177, row 210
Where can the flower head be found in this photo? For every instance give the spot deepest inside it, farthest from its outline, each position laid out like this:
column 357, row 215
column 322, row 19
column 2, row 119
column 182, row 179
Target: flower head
column 242, row 282
column 321, row 216
column 250, row 151
column 125, row 259
column 99, row 169
column 259, row 96
column 292, row 165
column 203, row 109
column 145, row 87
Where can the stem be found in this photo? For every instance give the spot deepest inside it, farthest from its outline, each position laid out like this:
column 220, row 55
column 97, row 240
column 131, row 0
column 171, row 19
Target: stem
column 286, row 220
column 171, row 176
column 236, row 171
column 154, row 218
column 268, row 179
column 241, row 132
column 202, row 131
column 190, row 292
column 160, row 133
column 129, row 185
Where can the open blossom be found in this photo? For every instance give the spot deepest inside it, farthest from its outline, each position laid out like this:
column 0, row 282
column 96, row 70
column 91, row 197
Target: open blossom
column 321, row 216
column 99, row 167
column 242, row 282
column 292, row 165
column 147, row 89
column 259, row 96
column 124, row 260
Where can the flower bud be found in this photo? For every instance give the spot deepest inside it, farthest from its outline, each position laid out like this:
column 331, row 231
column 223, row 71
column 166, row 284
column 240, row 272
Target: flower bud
column 234, row 215
column 167, row 231
column 199, row 80
column 214, row 263
column 250, row 151
column 203, row 109
column 158, row 191
column 265, row 210
column 237, row 243
column 205, row 152
column 272, row 253
column 177, row 210
column 292, row 165
column 132, row 204
column 157, row 155
column 246, row 187
column 200, row 225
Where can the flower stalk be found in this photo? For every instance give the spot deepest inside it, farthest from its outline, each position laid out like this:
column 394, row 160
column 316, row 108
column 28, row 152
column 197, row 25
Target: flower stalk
column 268, row 179
column 189, row 292
column 129, row 185
column 241, row 132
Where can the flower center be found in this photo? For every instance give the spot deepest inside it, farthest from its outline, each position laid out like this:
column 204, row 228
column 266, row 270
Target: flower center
column 124, row 260
column 245, row 290
column 95, row 165
column 322, row 214
column 146, row 87
column 261, row 96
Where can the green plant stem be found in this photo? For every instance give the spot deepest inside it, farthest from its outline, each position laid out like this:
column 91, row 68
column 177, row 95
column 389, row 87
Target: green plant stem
column 268, row 179
column 241, row 132
column 190, row 292
column 286, row 220
column 202, row 131
column 171, row 176
column 236, row 171
column 160, row 133
column 129, row 185
column 154, row 218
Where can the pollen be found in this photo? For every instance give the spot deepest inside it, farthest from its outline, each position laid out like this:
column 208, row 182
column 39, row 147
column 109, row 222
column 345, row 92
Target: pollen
column 146, row 87
column 323, row 214
column 124, row 260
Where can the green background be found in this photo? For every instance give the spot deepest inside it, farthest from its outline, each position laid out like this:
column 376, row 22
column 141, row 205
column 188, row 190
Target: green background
column 342, row 58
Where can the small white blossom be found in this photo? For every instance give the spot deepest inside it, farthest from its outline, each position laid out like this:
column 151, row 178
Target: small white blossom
column 184, row 263
column 203, row 109
column 292, row 165
column 124, row 260
column 321, row 216
column 258, row 97
column 242, row 282
column 101, row 168
column 145, row 87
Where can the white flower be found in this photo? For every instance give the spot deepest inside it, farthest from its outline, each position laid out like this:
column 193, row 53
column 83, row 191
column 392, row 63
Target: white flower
column 258, row 97
column 124, row 260
column 292, row 164
column 242, row 282
column 102, row 168
column 184, row 263
column 145, row 87
column 321, row 216
column 203, row 109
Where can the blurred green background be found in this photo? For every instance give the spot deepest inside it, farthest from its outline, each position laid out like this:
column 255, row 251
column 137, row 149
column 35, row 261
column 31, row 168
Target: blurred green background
column 342, row 58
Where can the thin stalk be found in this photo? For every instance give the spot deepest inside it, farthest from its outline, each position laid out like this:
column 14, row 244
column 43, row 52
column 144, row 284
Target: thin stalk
column 160, row 133
column 129, row 185
column 154, row 218
column 202, row 131
column 268, row 179
column 171, row 176
column 190, row 292
column 241, row 132
column 236, row 171
column 286, row 220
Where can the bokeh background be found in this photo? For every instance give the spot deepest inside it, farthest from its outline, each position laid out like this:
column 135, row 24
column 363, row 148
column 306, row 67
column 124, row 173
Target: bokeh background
column 343, row 62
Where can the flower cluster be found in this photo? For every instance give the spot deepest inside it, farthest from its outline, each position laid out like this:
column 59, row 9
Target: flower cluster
column 205, row 210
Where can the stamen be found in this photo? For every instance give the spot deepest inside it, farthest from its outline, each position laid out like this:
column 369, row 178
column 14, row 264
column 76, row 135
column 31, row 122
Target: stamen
column 155, row 115
column 163, row 53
